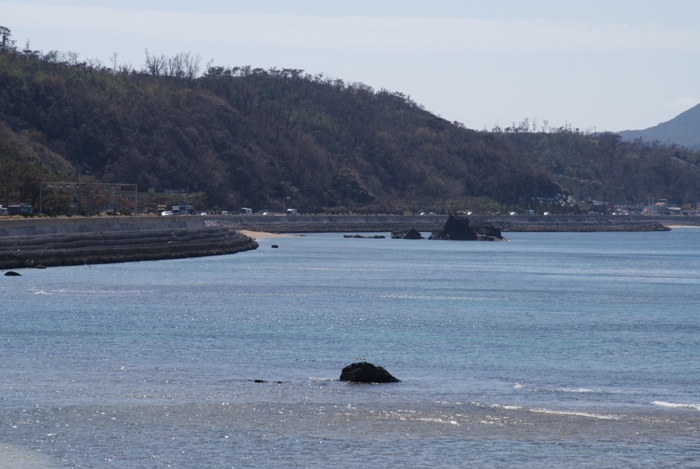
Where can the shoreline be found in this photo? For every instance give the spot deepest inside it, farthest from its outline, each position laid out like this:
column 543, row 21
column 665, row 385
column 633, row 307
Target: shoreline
column 45, row 242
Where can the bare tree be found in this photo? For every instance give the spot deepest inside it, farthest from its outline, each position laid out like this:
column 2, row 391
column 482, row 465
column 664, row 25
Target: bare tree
column 155, row 66
column 28, row 50
column 175, row 66
column 192, row 66
column 72, row 58
column 52, row 56
column 183, row 65
column 125, row 69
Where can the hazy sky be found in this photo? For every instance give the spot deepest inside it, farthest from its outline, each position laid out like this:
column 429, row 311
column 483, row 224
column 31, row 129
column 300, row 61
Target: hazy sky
column 593, row 64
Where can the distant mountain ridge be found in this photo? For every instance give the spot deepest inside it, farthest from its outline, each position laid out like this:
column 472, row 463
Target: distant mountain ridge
column 684, row 129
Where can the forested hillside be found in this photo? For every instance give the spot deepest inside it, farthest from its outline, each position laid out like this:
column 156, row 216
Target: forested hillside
column 235, row 137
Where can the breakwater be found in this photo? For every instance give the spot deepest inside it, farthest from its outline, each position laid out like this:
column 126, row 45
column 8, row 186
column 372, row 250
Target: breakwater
column 118, row 243
column 507, row 223
column 45, row 242
column 335, row 223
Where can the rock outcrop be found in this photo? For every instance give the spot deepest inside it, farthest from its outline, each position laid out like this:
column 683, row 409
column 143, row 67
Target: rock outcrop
column 410, row 234
column 358, row 236
column 363, row 372
column 461, row 229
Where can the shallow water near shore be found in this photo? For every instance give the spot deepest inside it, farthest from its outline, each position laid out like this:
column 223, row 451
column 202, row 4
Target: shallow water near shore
column 558, row 349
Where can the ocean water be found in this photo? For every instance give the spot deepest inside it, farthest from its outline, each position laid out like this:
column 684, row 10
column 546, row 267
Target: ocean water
column 553, row 349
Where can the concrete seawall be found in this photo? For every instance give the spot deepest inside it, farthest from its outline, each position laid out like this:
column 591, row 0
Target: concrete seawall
column 40, row 243
column 74, row 225
column 300, row 223
column 331, row 223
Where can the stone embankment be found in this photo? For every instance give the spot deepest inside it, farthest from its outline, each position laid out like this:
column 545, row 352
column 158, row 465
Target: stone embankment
column 431, row 223
column 44, row 242
column 101, row 247
column 507, row 226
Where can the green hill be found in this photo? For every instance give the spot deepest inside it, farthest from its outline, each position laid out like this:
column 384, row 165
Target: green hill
column 233, row 137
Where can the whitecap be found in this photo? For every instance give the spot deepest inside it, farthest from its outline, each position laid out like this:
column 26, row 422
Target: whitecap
column 676, row 405
column 505, row 406
column 498, row 406
column 437, row 420
column 565, row 390
column 576, row 414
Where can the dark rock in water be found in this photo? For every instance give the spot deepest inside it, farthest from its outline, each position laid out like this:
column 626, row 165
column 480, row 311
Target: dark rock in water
column 12, row 273
column 462, row 230
column 274, row 246
column 360, row 236
column 455, row 228
column 363, row 372
column 487, row 229
column 410, row 234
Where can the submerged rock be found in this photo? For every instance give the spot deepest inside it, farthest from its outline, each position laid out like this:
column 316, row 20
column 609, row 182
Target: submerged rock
column 12, row 273
column 357, row 236
column 363, row 372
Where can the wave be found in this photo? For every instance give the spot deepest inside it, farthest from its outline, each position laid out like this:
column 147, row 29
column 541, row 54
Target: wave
column 437, row 420
column 676, row 405
column 498, row 406
column 505, row 406
column 562, row 389
column 549, row 411
column 61, row 291
column 565, row 390
column 576, row 414
column 409, row 296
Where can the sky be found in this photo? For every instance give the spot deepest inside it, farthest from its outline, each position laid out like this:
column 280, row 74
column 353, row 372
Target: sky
column 594, row 65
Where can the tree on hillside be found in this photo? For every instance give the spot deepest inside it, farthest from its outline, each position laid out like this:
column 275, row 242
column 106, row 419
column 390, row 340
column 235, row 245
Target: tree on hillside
column 6, row 42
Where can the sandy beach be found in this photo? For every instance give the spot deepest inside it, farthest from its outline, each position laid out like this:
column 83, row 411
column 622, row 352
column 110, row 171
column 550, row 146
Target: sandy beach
column 264, row 234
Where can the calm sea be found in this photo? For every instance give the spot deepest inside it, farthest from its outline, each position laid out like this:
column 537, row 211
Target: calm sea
column 553, row 349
